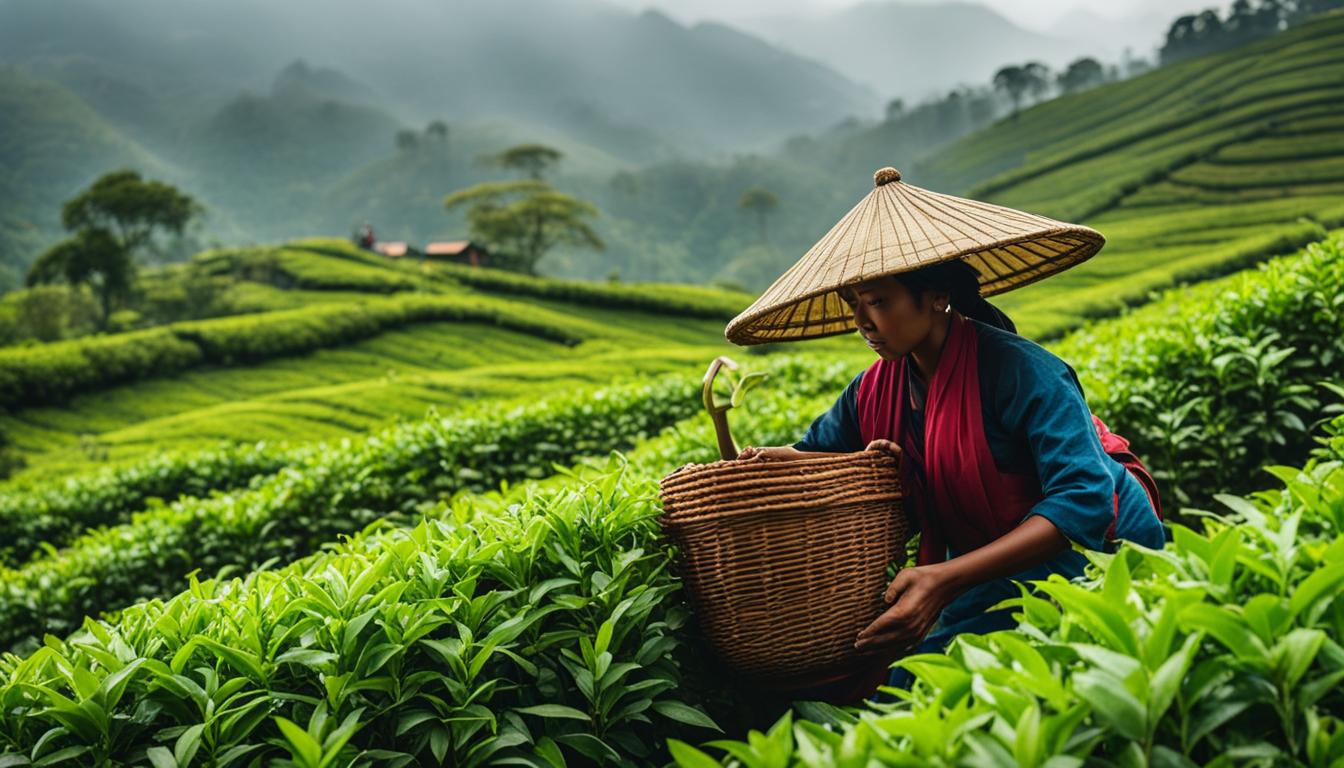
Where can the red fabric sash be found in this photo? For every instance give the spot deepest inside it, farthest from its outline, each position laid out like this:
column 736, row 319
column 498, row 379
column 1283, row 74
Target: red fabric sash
column 952, row 487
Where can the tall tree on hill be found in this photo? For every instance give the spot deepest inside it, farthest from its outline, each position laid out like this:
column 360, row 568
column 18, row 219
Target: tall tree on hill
column 131, row 209
column 1038, row 79
column 1081, row 75
column 1013, row 81
column 532, row 159
column 523, row 220
column 112, row 220
column 759, row 202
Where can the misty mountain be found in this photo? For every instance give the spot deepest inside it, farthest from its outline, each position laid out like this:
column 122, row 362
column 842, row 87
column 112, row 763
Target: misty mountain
column 49, row 142
column 701, row 88
column 299, row 81
column 914, row 50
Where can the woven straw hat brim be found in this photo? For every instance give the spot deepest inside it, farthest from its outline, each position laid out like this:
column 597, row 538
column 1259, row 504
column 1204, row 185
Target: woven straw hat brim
column 899, row 227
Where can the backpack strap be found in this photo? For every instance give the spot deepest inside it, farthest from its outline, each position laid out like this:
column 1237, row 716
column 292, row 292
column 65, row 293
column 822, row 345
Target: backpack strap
column 1117, row 448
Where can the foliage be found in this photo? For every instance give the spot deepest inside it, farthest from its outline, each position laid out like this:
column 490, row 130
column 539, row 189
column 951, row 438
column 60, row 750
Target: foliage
column 522, row 220
column 533, row 160
column 1221, row 650
column 759, row 202
column 1196, row 34
column 37, row 516
column 113, row 219
column 129, row 209
column 1018, row 81
column 483, row 630
column 667, row 298
column 49, row 373
column 1212, row 382
column 328, row 491
column 91, row 257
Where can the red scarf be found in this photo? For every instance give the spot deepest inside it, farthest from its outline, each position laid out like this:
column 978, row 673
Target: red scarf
column 952, row 486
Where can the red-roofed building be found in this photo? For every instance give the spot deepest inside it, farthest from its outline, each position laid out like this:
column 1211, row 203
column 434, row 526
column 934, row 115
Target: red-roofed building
column 458, row 251
column 393, row 249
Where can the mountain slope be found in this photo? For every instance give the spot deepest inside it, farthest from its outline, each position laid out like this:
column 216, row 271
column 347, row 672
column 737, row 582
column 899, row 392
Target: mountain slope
column 1192, row 170
column 51, row 145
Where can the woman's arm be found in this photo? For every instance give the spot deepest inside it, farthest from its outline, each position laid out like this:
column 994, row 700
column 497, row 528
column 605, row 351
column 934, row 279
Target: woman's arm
column 921, row 593
column 1037, row 396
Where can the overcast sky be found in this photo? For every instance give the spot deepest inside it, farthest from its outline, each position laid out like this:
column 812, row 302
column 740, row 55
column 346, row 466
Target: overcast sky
column 1033, row 14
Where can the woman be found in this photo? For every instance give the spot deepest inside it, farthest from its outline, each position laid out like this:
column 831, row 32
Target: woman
column 1001, row 463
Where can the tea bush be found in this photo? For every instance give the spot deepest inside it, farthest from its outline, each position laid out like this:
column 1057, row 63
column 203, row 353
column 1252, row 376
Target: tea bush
column 49, row 373
column 335, row 490
column 1212, row 382
column 538, row 626
column 53, row 513
column 1221, row 650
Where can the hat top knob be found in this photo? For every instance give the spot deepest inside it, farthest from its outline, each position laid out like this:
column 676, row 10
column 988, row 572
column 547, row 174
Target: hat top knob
column 885, row 176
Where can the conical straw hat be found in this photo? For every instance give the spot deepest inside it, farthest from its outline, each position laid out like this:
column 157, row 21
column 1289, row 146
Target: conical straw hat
column 898, row 227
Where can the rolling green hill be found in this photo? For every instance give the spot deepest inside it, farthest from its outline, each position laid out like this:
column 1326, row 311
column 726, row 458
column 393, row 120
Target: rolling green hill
column 342, row 342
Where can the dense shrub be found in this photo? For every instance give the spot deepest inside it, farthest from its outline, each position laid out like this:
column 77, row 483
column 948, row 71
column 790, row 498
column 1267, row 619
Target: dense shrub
column 334, row 491
column 663, row 298
column 1221, row 650
column 54, row 513
column 1212, row 382
column 50, row 373
column 541, row 626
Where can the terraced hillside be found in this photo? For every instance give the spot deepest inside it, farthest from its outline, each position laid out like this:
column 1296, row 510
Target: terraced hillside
column 546, row 625
column 339, row 342
column 1193, row 170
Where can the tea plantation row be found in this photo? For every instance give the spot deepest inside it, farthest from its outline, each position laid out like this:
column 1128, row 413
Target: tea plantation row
column 49, row 373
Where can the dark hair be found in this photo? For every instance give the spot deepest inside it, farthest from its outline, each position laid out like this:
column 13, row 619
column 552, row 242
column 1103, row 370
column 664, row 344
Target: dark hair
column 962, row 282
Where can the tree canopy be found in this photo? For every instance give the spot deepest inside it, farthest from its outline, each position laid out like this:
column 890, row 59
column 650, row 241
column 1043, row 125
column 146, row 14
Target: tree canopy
column 129, row 208
column 522, row 220
column 532, row 159
column 114, row 218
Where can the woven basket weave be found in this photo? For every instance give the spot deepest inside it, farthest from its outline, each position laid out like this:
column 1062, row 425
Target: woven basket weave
column 785, row 560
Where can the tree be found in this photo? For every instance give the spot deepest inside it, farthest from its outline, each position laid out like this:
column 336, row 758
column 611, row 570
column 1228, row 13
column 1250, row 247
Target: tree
column 92, row 257
column 407, row 140
column 1013, row 81
column 437, row 130
column 130, row 209
column 522, row 220
column 532, row 159
column 1038, row 79
column 118, row 215
column 895, row 110
column 761, row 203
column 1081, row 75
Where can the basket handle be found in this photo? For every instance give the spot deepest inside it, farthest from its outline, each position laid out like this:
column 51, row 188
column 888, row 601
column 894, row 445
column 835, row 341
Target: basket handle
column 718, row 412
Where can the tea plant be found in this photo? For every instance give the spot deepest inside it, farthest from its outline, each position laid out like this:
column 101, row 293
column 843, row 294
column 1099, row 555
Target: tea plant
column 537, row 626
column 1211, row 383
column 37, row 516
column 1222, row 649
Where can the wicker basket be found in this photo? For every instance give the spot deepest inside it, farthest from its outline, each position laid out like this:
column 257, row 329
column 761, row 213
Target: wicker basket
column 785, row 560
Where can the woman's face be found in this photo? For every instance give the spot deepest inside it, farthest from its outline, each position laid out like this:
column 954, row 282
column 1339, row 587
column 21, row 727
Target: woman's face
column 888, row 316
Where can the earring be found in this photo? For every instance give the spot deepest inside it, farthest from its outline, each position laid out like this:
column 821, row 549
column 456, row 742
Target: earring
column 947, row 309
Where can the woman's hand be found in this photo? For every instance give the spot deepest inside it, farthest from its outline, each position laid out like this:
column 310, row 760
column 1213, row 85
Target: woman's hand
column 917, row 595
column 885, row 445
